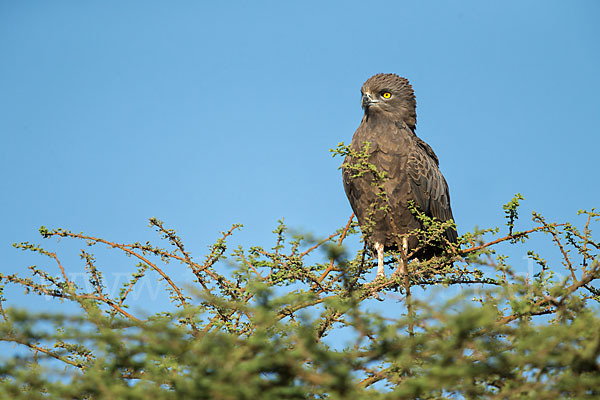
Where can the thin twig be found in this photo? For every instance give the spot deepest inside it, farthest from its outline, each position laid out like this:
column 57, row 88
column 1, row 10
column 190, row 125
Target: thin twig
column 505, row 238
column 330, row 267
column 131, row 252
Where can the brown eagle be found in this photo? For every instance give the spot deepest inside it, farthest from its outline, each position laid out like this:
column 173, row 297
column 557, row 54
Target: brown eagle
column 410, row 172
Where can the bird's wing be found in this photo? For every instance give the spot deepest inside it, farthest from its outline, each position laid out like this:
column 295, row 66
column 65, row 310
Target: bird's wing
column 421, row 143
column 428, row 186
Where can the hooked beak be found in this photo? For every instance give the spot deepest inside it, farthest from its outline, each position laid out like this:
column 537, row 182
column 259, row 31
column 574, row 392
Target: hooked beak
column 367, row 101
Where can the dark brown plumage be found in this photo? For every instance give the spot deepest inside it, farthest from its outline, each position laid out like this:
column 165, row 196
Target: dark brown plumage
column 410, row 166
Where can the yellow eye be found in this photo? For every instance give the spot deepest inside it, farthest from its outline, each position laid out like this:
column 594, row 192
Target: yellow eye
column 386, row 95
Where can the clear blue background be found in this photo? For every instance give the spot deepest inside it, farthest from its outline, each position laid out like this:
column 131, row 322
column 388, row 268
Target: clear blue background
column 206, row 114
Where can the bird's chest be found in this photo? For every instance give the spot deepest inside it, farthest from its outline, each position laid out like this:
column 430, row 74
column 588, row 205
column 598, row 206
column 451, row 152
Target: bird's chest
column 383, row 144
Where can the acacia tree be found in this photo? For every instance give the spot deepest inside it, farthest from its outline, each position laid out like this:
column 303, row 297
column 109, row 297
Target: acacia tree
column 266, row 325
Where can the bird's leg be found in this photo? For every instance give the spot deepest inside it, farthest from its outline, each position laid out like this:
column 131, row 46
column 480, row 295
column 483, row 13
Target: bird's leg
column 380, row 267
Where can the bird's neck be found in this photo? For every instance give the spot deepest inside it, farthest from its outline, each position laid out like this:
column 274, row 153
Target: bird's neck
column 381, row 120
column 403, row 117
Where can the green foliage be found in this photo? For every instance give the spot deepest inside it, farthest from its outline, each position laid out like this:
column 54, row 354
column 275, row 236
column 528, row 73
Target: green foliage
column 361, row 166
column 296, row 319
column 235, row 336
column 510, row 211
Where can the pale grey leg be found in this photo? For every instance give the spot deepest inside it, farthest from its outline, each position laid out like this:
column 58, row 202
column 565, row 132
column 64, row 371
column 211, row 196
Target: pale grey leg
column 380, row 267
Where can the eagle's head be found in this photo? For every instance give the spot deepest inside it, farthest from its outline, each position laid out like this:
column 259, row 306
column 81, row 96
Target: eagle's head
column 389, row 96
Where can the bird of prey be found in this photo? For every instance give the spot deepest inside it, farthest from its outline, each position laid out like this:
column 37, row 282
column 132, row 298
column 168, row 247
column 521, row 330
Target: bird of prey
column 386, row 139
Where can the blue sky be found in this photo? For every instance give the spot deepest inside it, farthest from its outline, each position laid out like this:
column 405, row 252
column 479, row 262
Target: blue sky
column 205, row 114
